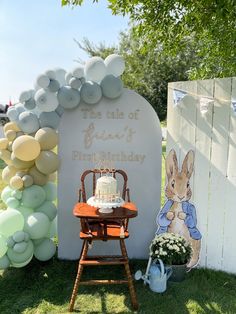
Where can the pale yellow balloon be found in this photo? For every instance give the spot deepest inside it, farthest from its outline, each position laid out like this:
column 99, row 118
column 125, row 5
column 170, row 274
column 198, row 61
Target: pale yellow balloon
column 3, row 143
column 10, row 135
column 26, row 148
column 9, row 146
column 47, row 138
column 11, row 126
column 38, row 177
column 6, row 156
column 16, row 183
column 8, row 172
column 47, row 162
column 21, row 164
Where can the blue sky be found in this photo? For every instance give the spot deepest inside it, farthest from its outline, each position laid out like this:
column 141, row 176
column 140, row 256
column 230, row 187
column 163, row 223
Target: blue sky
column 38, row 35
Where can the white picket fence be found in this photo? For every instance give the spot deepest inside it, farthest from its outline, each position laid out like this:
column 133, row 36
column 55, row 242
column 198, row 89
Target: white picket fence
column 213, row 138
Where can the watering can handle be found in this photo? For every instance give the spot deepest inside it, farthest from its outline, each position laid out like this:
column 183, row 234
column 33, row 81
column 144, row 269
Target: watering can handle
column 148, row 267
column 162, row 267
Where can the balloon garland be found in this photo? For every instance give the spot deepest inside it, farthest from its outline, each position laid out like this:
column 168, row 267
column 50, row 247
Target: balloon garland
column 28, row 225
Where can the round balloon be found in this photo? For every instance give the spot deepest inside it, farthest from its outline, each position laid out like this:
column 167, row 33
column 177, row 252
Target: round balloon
column 20, row 247
column 20, row 108
column 45, row 100
column 60, row 76
column 24, row 96
column 47, row 162
column 11, row 126
column 95, row 69
column 48, row 208
column 26, row 148
column 45, row 250
column 25, row 211
column 75, row 83
column 30, row 104
column 68, row 97
column 12, row 202
column 4, row 143
column 16, row 183
column 91, row 93
column 6, row 156
column 6, row 193
column 10, row 135
column 112, row 87
column 78, row 72
column 49, row 119
column 68, row 76
column 8, row 172
column 60, row 110
column 3, row 245
column 11, row 220
column 19, row 265
column 19, row 236
column 33, row 196
column 27, row 180
column 51, row 191
column 47, row 138
column 37, row 225
column 43, row 81
column 12, row 113
column 28, row 122
column 53, row 229
column 53, row 86
column 115, row 64
column 38, row 177
column 17, row 194
column 21, row 257
column 4, row 262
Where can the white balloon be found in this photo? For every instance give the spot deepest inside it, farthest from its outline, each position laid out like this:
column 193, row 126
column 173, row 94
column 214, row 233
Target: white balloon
column 95, row 69
column 115, row 64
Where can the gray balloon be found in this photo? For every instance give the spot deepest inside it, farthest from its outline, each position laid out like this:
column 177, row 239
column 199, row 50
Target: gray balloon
column 112, row 87
column 91, row 92
column 68, row 97
column 49, row 119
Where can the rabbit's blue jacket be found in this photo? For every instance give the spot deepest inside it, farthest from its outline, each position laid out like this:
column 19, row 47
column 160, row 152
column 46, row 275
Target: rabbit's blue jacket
column 190, row 220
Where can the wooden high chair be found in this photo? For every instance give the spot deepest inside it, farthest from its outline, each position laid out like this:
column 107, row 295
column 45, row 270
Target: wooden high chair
column 104, row 227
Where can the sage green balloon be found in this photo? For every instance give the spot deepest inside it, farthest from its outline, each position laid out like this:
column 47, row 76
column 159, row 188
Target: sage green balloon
column 17, row 194
column 21, row 257
column 10, row 242
column 38, row 177
column 37, row 225
column 4, row 262
column 53, row 229
column 20, row 247
column 18, row 236
column 11, row 220
column 45, row 250
column 47, row 138
column 12, row 202
column 47, row 162
column 49, row 209
column 51, row 191
column 3, row 245
column 33, row 196
column 19, row 265
column 6, row 193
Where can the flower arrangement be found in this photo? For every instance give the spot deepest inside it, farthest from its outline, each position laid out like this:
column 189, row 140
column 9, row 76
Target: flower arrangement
column 171, row 248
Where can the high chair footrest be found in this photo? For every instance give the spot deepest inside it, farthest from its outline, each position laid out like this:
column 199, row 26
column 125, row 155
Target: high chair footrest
column 96, row 262
column 103, row 282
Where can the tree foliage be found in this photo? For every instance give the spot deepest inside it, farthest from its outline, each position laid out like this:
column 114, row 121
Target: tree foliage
column 147, row 71
column 210, row 23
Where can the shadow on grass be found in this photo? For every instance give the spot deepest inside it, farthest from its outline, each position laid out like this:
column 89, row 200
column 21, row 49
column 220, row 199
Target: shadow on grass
column 47, row 287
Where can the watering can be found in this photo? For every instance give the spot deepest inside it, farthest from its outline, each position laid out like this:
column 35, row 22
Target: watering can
column 156, row 275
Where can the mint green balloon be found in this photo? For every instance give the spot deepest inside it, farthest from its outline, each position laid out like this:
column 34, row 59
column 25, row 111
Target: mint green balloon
column 10, row 242
column 20, row 247
column 6, row 193
column 21, row 257
column 19, row 265
column 17, row 194
column 37, row 241
column 53, row 229
column 51, row 191
column 33, row 196
column 11, row 220
column 45, row 250
column 49, row 209
column 3, row 245
column 12, row 202
column 18, row 236
column 37, row 225
column 4, row 262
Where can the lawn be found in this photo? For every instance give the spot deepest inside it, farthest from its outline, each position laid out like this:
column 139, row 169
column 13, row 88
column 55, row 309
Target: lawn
column 46, row 288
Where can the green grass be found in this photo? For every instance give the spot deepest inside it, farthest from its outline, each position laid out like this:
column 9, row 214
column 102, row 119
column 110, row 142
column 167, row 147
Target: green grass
column 41, row 288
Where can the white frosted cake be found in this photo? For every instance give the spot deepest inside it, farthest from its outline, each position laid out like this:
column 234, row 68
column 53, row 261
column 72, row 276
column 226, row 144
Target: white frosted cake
column 106, row 189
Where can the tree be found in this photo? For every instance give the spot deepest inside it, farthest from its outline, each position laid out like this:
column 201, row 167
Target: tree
column 210, row 23
column 147, row 71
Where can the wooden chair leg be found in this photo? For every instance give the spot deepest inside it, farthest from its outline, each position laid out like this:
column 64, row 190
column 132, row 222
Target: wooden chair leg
column 83, row 255
column 129, row 276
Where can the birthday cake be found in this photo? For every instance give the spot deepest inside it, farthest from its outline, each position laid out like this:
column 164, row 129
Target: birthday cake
column 106, row 190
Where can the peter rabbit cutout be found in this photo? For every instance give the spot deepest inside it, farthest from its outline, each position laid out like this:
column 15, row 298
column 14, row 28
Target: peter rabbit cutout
column 178, row 215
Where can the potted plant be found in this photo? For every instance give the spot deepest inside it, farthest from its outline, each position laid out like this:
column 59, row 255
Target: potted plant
column 174, row 251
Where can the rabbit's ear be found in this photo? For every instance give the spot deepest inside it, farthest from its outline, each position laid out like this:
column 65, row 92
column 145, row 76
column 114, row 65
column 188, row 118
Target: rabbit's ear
column 188, row 164
column 171, row 164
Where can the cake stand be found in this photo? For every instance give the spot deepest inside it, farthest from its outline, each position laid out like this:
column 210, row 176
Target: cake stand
column 105, row 207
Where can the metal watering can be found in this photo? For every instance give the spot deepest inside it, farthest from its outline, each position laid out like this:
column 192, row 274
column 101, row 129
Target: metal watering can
column 156, row 275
